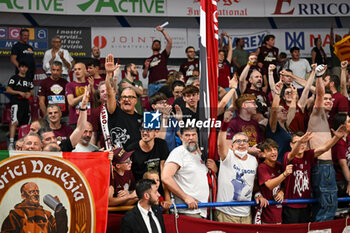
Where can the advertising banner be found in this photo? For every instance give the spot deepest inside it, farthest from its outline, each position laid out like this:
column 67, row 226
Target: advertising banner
column 54, row 192
column 75, row 40
column 181, row 8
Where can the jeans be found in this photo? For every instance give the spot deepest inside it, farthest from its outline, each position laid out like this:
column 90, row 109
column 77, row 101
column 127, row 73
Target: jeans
column 324, row 189
column 154, row 87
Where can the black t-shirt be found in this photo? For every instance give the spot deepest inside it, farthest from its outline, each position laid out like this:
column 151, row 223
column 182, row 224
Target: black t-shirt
column 166, row 90
column 124, row 128
column 18, row 83
column 66, row 145
column 145, row 161
column 179, row 101
column 24, row 53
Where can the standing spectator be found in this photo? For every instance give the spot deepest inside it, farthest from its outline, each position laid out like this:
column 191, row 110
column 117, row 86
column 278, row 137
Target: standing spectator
column 60, row 55
column 123, row 123
column 54, row 116
column 130, row 81
column 75, row 93
column 146, row 216
column 243, row 122
column 122, row 184
column 318, row 55
column 345, row 80
column 185, row 175
column 84, row 145
column 270, row 177
column 20, row 87
column 267, row 54
column 239, row 55
column 191, row 98
column 96, row 54
column 156, row 65
column 23, row 52
column 225, row 63
column 299, row 66
column 176, row 89
column 191, row 66
column 236, row 177
column 53, row 90
column 93, row 69
column 172, row 77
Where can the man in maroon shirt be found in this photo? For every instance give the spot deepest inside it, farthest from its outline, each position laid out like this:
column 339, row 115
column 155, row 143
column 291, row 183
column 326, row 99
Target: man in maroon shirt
column 298, row 184
column 156, row 65
column 243, row 122
column 61, row 131
column 93, row 69
column 53, row 89
column 191, row 66
column 340, row 102
column 267, row 53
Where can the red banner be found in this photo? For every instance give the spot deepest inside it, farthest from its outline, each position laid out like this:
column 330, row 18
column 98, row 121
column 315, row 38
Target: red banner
column 189, row 224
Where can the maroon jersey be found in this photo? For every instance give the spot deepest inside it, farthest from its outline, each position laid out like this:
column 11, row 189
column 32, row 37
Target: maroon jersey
column 77, row 89
column 224, row 72
column 298, row 184
column 272, row 213
column 340, row 104
column 299, row 122
column 261, row 97
column 63, row 133
column 125, row 182
column 54, row 92
column 97, row 82
column 268, row 56
column 188, row 67
column 341, row 150
column 251, row 128
column 158, row 67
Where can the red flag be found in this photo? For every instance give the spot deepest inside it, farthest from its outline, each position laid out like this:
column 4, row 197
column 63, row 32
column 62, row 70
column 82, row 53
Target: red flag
column 209, row 33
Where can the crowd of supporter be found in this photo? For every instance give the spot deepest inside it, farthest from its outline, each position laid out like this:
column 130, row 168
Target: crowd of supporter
column 284, row 125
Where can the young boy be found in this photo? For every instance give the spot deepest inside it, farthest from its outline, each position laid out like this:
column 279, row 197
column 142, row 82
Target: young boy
column 122, row 184
column 298, row 185
column 270, row 177
column 20, row 87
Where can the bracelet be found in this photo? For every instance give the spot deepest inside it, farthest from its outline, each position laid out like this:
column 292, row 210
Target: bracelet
column 82, row 109
column 284, row 174
column 250, row 63
column 258, row 194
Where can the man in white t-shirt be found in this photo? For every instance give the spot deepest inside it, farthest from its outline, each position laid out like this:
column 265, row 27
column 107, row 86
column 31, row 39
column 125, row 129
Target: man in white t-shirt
column 299, row 66
column 236, row 178
column 84, row 144
column 185, row 175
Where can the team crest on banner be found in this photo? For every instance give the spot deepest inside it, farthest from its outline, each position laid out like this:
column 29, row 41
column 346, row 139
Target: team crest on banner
column 42, row 193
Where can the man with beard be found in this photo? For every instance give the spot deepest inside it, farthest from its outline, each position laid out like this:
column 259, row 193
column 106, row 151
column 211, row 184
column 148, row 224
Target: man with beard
column 130, row 81
column 84, row 144
column 53, row 90
column 146, row 216
column 157, row 64
column 253, row 85
column 30, row 216
column 185, row 175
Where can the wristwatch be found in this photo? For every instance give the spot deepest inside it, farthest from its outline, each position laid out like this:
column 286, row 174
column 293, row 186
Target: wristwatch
column 82, row 109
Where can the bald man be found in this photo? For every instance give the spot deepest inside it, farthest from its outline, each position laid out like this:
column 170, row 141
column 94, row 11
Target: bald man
column 30, row 216
column 84, row 144
column 74, row 93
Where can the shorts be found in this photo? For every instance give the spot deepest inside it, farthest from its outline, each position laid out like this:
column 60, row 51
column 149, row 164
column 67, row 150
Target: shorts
column 20, row 113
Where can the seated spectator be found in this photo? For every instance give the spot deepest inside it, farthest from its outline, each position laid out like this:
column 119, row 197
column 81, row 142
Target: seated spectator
column 154, row 175
column 32, row 142
column 54, row 115
column 176, row 89
column 20, row 87
column 52, row 147
column 193, row 81
column 122, row 184
column 38, row 124
column 298, row 184
column 169, row 125
column 166, row 89
column 19, row 144
column 341, row 156
column 84, row 144
column 271, row 176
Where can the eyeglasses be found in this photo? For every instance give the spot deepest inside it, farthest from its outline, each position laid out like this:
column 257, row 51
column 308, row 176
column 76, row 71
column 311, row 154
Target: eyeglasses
column 127, row 162
column 124, row 97
column 240, row 141
column 288, row 93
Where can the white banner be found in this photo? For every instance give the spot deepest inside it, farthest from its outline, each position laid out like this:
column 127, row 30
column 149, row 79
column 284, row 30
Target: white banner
column 136, row 42
column 181, row 8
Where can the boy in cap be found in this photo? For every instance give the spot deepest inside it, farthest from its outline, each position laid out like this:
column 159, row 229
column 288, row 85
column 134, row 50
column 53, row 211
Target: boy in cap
column 122, row 184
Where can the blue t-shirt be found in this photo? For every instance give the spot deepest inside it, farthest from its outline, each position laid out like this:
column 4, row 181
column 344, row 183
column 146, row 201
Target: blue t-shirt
column 282, row 138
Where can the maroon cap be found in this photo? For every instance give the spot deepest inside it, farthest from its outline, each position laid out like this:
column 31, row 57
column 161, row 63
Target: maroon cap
column 120, row 155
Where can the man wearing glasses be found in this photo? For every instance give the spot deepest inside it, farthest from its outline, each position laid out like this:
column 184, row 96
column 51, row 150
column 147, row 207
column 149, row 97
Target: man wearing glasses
column 57, row 54
column 123, row 123
column 191, row 66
